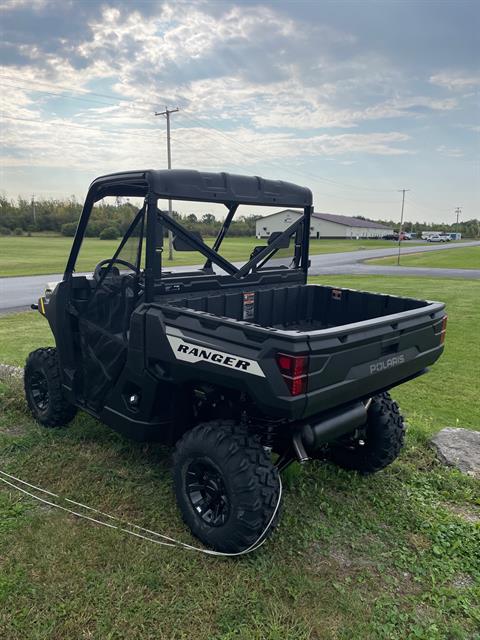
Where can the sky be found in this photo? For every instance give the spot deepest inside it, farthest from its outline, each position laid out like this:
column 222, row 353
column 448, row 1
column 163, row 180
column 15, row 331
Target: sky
column 355, row 100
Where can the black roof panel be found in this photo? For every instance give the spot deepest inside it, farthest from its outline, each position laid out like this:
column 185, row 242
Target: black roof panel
column 182, row 184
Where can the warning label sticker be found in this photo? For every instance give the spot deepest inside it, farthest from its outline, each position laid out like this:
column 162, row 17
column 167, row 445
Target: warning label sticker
column 249, row 305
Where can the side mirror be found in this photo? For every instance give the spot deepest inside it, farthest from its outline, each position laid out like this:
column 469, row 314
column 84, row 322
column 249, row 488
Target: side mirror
column 179, row 244
column 285, row 242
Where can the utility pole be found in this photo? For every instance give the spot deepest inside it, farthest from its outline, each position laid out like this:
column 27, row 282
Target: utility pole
column 401, row 224
column 34, row 212
column 458, row 211
column 167, row 113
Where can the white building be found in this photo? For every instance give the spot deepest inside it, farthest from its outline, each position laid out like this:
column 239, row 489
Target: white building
column 322, row 225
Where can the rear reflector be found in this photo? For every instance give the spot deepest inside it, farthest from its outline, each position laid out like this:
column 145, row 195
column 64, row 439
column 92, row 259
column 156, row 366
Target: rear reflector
column 294, row 370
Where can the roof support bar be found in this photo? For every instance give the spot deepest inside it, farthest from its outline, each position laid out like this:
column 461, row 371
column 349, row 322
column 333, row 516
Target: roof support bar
column 307, row 216
column 222, row 233
column 79, row 234
column 152, row 259
column 268, row 249
column 197, row 244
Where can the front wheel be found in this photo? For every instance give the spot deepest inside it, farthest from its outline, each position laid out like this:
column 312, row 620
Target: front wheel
column 43, row 389
column 226, row 486
column 381, row 440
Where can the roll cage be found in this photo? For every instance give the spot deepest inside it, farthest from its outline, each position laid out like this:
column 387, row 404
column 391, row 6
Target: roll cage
column 187, row 185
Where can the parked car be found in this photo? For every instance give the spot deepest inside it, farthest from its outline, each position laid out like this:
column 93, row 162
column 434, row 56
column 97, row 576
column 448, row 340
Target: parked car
column 437, row 238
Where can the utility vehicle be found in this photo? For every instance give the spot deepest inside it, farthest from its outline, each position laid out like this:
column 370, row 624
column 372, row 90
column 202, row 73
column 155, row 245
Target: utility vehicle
column 242, row 367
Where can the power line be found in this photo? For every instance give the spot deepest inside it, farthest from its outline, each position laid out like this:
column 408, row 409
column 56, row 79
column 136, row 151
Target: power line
column 61, row 94
column 206, row 153
column 208, row 130
column 354, row 199
column 276, row 162
column 300, row 172
column 63, row 88
column 72, row 125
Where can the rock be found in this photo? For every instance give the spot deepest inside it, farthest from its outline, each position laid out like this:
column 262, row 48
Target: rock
column 10, row 371
column 463, row 581
column 459, row 448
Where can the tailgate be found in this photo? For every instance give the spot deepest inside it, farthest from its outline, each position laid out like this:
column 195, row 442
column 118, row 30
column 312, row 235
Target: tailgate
column 359, row 359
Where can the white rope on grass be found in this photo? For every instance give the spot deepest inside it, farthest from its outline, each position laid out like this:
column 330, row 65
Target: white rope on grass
column 171, row 541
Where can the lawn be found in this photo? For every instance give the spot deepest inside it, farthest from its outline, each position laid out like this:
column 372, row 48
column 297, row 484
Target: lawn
column 394, row 555
column 465, row 258
column 36, row 255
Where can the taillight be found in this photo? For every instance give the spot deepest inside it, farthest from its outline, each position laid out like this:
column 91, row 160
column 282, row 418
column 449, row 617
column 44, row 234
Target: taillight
column 443, row 330
column 294, row 370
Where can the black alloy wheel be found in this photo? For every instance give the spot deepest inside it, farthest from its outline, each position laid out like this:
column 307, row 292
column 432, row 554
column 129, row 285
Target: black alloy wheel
column 207, row 493
column 226, row 485
column 39, row 390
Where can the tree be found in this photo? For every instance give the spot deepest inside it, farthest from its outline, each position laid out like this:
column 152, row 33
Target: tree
column 191, row 218
column 208, row 218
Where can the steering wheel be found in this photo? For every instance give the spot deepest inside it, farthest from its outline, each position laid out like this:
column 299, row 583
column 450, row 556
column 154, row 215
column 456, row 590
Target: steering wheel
column 110, row 261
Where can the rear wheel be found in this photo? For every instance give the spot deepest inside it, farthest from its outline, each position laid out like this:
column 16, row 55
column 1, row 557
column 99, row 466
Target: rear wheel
column 43, row 389
column 226, row 485
column 381, row 442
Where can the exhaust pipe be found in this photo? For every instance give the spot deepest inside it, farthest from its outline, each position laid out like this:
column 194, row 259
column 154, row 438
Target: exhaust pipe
column 333, row 425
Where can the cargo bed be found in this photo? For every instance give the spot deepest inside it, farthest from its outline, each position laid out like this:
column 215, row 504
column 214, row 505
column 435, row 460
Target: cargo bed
column 300, row 307
column 358, row 343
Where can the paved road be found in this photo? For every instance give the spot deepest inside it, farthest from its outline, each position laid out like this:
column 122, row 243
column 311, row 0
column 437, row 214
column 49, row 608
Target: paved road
column 353, row 262
column 18, row 293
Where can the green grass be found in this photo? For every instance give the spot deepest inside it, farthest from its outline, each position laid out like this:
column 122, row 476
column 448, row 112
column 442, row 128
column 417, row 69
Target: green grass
column 391, row 556
column 21, row 333
column 36, row 255
column 465, row 258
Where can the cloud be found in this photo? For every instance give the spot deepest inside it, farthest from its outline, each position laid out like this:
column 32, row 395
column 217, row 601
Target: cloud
column 260, row 89
column 450, row 152
column 455, row 80
column 110, row 146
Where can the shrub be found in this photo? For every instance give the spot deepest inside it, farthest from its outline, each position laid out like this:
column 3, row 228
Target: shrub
column 94, row 229
column 110, row 233
column 5, row 231
column 68, row 229
column 18, row 231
